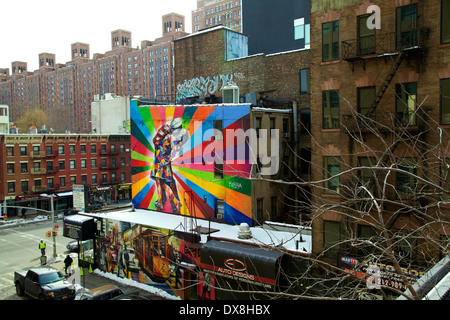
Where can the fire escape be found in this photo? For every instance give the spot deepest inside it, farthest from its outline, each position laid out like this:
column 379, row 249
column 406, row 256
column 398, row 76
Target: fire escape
column 408, row 47
column 394, row 47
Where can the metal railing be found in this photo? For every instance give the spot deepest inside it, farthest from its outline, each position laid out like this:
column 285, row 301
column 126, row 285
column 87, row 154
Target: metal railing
column 383, row 44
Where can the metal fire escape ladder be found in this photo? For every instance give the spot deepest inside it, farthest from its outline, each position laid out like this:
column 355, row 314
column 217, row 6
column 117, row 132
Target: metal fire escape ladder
column 386, row 83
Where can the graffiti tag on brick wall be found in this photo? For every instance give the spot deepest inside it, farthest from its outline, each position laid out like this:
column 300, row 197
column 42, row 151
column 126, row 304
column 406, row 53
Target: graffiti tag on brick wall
column 201, row 86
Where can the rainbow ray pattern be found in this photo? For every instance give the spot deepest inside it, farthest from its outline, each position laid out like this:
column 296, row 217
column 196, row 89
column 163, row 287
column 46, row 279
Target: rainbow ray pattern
column 197, row 186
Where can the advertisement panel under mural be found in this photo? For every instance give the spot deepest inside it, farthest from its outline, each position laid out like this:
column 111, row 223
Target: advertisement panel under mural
column 189, row 160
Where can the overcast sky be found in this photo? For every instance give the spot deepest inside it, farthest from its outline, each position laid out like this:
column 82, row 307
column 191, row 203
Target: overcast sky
column 30, row 27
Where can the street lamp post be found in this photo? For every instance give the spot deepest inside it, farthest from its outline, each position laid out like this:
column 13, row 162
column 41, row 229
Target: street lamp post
column 53, row 225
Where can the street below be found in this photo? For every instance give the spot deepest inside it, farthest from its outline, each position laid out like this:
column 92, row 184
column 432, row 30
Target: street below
column 19, row 249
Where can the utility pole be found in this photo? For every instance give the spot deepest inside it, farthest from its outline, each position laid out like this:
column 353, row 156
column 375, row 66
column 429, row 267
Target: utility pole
column 53, row 225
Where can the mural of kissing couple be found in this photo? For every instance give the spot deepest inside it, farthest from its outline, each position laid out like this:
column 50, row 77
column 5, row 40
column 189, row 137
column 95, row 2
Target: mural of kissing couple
column 172, row 170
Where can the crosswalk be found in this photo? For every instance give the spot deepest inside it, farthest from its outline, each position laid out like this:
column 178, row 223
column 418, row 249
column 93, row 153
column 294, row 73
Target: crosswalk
column 6, row 283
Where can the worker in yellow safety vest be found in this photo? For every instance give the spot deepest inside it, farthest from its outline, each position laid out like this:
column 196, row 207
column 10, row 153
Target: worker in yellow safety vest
column 42, row 247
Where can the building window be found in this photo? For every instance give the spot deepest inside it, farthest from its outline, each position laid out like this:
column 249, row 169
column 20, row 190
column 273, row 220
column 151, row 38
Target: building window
column 83, row 148
column 259, row 209
column 218, row 127
column 445, row 101
column 62, row 182
column 104, row 178
column 73, row 180
column 94, row 178
column 331, row 238
column 24, row 167
column 405, row 245
column 94, row 163
column 273, row 206
column 302, row 31
column 24, row 185
column 218, row 168
column 49, row 150
column 304, row 81
column 72, row 164
column 445, row 179
column 366, row 37
column 23, row 151
column 93, row 148
column 10, row 151
column 11, row 187
column 36, row 151
column 406, row 104
column 10, row 168
column 258, row 125
column 61, row 149
column 367, row 176
column 50, row 183
column 83, row 179
column 330, row 41
column 83, row 163
column 331, row 168
column 220, row 209
column 330, row 103
column 407, row 26
column 123, row 176
column 445, row 21
column 406, row 183
column 366, row 97
column 62, row 165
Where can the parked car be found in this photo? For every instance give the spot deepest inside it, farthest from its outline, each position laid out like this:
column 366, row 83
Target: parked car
column 72, row 246
column 43, row 283
column 105, row 292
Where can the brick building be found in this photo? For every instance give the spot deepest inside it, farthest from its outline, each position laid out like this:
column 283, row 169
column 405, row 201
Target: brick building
column 65, row 91
column 210, row 13
column 379, row 99
column 276, row 85
column 35, row 164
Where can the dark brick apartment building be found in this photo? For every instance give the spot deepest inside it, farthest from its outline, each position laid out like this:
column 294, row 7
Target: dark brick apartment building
column 36, row 164
column 380, row 121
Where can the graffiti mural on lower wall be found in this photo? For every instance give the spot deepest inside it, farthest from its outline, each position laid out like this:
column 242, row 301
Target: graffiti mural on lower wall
column 148, row 255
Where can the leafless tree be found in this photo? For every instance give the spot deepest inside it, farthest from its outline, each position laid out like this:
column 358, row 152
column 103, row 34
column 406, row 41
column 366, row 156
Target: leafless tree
column 395, row 185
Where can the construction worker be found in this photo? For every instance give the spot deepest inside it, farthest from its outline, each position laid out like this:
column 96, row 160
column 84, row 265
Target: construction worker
column 42, row 247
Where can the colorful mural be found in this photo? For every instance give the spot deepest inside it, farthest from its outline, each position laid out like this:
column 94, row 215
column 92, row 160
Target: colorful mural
column 192, row 160
column 147, row 255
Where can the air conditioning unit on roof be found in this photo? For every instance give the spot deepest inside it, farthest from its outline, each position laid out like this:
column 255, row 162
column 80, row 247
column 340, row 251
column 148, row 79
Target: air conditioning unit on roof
column 230, row 94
